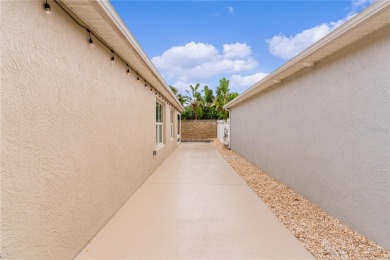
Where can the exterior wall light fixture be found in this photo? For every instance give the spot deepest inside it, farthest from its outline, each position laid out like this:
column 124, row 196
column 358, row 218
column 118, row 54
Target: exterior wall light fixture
column 47, row 8
column 90, row 39
column 113, row 57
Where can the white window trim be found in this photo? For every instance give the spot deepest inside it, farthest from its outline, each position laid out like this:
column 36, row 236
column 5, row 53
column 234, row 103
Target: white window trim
column 160, row 145
column 172, row 120
column 178, row 134
column 158, row 134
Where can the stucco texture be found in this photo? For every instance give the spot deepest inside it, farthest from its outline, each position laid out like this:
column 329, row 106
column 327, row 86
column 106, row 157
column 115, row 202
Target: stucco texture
column 325, row 133
column 77, row 134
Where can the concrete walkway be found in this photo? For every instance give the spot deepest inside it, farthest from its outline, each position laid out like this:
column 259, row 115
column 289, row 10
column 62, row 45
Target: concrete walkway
column 194, row 206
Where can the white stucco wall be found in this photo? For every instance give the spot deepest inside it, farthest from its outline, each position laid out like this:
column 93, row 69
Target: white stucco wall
column 325, row 133
column 77, row 134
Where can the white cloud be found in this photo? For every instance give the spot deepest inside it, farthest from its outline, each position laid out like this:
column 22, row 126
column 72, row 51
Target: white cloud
column 238, row 82
column 287, row 47
column 230, row 10
column 356, row 4
column 198, row 62
column 236, row 50
column 183, row 86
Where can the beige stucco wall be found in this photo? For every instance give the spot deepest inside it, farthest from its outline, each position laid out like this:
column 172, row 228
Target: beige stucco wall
column 77, row 134
column 325, row 133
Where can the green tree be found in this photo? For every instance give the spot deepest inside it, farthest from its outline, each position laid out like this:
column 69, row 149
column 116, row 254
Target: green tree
column 194, row 100
column 187, row 114
column 223, row 97
column 207, row 104
column 182, row 99
column 174, row 90
column 208, row 97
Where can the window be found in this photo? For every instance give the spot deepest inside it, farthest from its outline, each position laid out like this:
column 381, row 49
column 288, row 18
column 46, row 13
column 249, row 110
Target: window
column 178, row 128
column 178, row 124
column 172, row 129
column 159, row 123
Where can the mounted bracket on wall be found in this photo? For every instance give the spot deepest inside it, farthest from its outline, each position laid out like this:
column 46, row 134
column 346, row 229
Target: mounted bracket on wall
column 154, row 153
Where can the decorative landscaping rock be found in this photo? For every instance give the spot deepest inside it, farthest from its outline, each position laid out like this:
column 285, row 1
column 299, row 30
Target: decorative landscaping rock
column 323, row 236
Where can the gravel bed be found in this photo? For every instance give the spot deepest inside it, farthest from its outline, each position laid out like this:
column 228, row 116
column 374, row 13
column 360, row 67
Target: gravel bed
column 323, row 236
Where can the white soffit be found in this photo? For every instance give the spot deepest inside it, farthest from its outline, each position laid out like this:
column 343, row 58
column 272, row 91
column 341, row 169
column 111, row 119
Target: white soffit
column 371, row 19
column 103, row 20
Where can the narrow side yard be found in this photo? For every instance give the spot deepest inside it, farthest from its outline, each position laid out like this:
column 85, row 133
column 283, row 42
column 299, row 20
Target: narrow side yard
column 194, row 206
column 323, row 235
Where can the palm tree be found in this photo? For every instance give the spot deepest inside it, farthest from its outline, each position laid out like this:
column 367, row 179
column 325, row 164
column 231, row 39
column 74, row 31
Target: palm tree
column 208, row 97
column 223, row 97
column 207, row 104
column 194, row 98
column 182, row 99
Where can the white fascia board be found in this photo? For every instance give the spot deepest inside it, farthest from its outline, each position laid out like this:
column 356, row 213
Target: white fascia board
column 106, row 5
column 334, row 41
column 112, row 21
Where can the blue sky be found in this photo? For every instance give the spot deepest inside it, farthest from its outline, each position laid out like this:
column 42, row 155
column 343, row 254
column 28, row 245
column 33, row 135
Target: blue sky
column 203, row 41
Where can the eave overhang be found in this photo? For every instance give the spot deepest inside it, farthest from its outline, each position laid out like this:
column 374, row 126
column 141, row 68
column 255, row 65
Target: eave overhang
column 102, row 19
column 371, row 19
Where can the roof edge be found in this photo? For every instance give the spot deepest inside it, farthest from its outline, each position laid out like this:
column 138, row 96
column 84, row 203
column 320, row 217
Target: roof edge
column 108, row 12
column 332, row 38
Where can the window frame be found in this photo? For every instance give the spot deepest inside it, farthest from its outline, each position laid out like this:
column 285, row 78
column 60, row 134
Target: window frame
column 159, row 125
column 178, row 134
column 172, row 124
